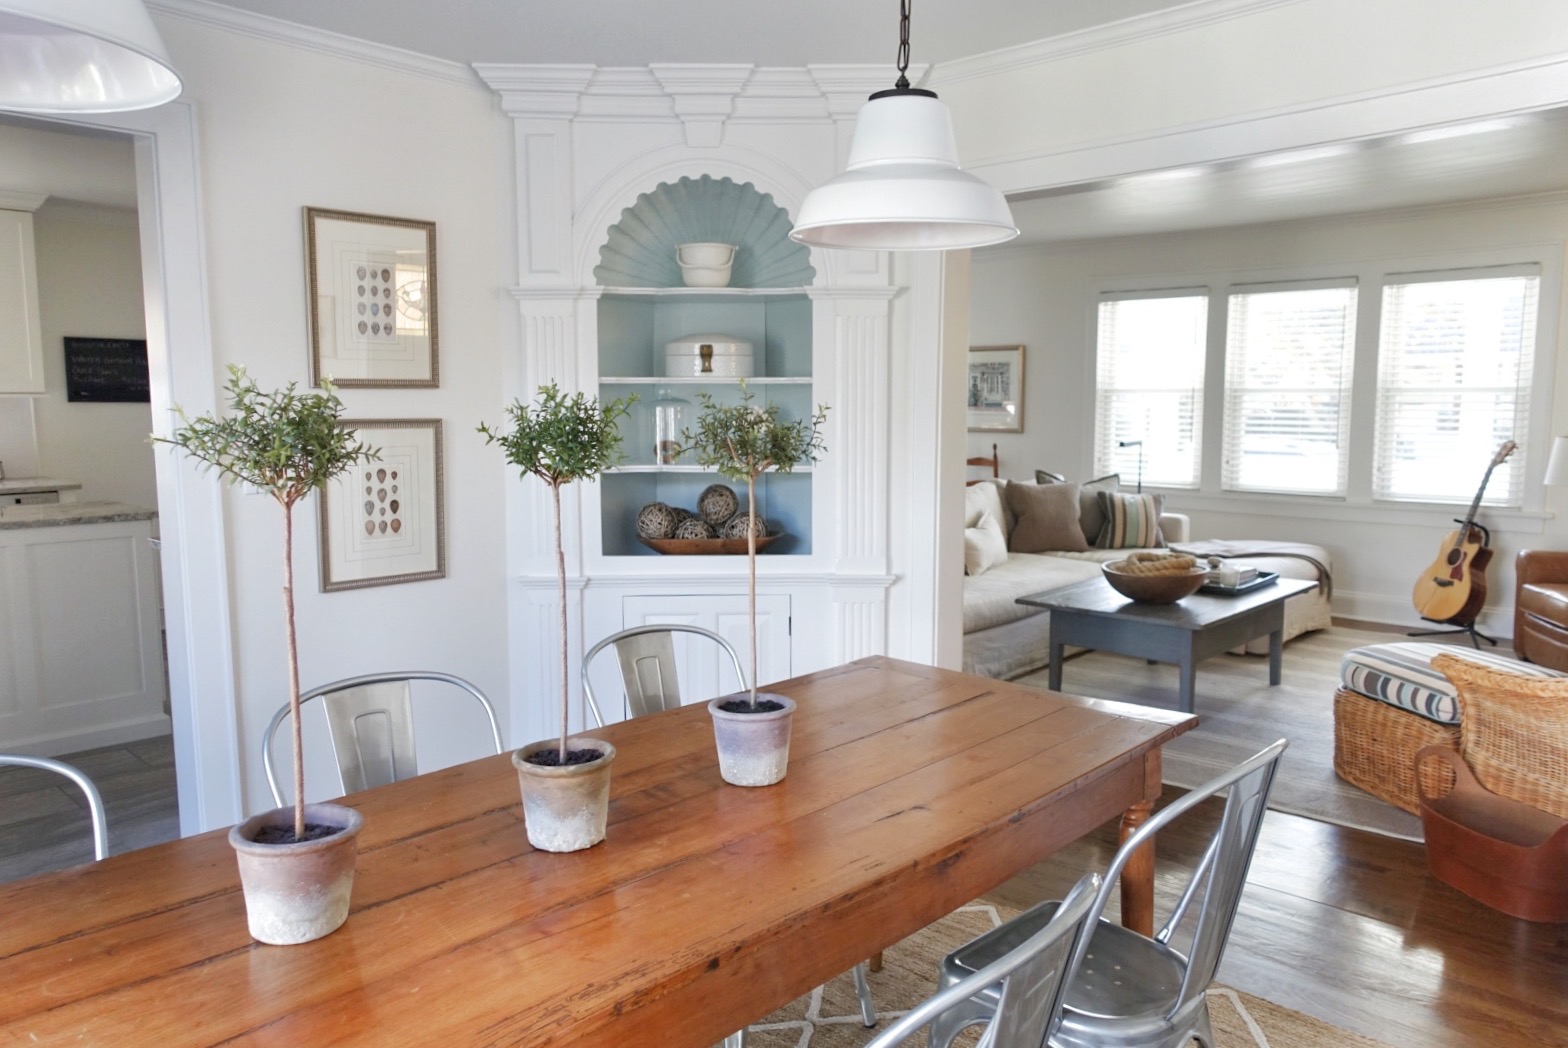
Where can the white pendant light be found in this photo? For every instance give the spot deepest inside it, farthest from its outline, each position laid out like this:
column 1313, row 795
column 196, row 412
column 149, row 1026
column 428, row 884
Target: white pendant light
column 902, row 189
column 81, row 56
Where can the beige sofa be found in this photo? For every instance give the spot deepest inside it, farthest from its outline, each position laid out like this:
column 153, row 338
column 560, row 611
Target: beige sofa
column 1005, row 639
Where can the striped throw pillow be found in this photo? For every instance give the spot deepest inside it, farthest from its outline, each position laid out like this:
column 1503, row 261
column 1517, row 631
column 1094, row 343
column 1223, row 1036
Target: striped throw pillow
column 1131, row 521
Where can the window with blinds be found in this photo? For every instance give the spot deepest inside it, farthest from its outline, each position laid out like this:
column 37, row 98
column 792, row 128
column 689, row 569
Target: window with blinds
column 1455, row 362
column 1149, row 352
column 1289, row 355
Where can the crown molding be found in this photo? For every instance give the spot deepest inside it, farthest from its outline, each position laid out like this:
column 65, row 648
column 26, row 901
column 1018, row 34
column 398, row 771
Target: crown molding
column 320, row 41
column 10, row 200
column 1099, row 38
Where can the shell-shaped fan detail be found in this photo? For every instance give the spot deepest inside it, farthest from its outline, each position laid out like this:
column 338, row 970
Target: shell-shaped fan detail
column 640, row 249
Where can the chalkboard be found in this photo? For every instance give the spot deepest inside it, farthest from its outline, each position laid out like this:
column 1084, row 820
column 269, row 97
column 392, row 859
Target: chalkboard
column 106, row 370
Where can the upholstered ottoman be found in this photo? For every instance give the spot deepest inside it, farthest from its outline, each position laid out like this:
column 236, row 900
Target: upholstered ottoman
column 1390, row 704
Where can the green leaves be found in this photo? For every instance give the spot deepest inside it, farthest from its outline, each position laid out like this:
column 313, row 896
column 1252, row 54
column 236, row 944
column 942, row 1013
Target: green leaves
column 560, row 439
column 284, row 442
column 743, row 441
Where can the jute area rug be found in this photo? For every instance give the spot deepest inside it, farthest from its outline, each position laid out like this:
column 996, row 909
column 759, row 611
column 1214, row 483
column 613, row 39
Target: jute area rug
column 829, row 1016
column 1239, row 714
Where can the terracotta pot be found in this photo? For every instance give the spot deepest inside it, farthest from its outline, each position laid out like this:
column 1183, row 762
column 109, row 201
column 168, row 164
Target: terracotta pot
column 565, row 808
column 753, row 747
column 297, row 892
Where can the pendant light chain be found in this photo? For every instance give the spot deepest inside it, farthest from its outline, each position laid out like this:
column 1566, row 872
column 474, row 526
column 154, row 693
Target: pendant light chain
column 903, row 46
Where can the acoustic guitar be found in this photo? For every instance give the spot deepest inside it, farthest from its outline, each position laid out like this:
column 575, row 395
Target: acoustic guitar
column 1453, row 587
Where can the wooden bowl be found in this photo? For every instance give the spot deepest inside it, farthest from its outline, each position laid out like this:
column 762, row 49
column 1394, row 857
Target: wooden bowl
column 1153, row 589
column 709, row 546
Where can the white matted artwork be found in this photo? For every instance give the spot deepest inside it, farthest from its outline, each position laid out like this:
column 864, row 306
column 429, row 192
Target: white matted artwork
column 384, row 521
column 372, row 294
column 996, row 388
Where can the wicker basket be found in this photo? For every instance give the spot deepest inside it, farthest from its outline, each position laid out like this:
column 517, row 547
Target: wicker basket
column 1375, row 748
column 1515, row 732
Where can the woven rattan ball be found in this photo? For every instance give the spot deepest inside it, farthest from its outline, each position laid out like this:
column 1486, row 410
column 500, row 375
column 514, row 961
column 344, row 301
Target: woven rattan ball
column 656, row 521
column 717, row 504
column 735, row 527
column 694, row 528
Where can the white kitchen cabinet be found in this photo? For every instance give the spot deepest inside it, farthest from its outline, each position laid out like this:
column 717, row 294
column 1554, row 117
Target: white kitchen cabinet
column 81, row 655
column 21, row 343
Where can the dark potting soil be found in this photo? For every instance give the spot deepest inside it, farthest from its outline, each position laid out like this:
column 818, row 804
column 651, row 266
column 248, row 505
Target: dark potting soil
column 742, row 706
column 552, row 758
column 314, row 831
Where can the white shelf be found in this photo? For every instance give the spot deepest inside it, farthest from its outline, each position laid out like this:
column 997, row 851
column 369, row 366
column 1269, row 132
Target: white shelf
column 699, row 380
column 717, row 292
column 694, row 469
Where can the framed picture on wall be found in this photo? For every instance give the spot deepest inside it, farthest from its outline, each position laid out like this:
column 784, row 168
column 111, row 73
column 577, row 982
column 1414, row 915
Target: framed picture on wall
column 372, row 297
column 996, row 389
column 384, row 522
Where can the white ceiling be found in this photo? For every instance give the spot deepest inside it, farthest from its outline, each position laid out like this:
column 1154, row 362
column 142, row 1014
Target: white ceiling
column 759, row 32
column 1522, row 154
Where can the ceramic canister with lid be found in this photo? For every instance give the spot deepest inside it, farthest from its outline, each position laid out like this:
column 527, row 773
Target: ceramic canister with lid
column 719, row 356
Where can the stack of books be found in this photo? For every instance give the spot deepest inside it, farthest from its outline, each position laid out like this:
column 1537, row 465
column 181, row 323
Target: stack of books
column 1231, row 573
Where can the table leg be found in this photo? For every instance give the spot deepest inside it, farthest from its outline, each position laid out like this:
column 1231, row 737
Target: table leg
column 1276, row 650
column 1138, row 874
column 1053, row 679
column 1188, row 668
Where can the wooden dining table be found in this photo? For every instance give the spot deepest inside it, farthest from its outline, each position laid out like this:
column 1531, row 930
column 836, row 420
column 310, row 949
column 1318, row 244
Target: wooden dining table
column 911, row 790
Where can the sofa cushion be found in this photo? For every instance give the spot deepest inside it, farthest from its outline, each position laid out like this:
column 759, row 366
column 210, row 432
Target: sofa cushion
column 992, row 599
column 984, row 545
column 1401, row 674
column 984, row 497
column 1131, row 521
column 1047, row 518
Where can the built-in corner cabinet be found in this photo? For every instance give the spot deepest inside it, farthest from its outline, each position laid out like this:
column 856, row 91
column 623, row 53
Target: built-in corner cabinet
column 615, row 169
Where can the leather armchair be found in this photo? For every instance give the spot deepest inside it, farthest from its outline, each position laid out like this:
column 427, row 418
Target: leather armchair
column 1541, row 607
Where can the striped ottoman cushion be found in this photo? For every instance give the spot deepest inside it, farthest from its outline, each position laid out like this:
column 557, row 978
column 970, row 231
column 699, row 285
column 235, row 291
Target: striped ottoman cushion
column 1401, row 675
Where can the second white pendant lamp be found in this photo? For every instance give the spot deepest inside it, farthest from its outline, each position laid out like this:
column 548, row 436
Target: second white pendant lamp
column 902, row 189
column 82, row 56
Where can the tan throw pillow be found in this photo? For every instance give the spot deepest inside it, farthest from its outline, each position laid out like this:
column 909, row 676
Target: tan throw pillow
column 1091, row 518
column 1513, row 732
column 1131, row 521
column 984, row 546
column 1047, row 518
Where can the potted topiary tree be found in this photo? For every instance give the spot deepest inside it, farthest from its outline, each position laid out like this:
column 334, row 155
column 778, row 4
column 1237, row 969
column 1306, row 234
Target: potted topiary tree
column 743, row 441
column 559, row 439
column 296, row 865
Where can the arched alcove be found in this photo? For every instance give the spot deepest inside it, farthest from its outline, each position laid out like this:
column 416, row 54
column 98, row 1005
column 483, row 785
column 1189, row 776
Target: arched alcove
column 639, row 250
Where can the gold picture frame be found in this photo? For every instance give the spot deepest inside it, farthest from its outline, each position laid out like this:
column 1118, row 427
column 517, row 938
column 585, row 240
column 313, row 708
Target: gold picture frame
column 384, row 522
column 996, row 389
column 371, row 289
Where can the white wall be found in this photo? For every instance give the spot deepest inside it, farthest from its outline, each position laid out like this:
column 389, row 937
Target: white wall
column 90, row 285
column 282, row 127
column 1044, row 298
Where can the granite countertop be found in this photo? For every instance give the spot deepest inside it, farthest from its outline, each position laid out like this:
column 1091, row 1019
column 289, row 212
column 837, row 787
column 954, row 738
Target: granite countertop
column 59, row 514
column 23, row 485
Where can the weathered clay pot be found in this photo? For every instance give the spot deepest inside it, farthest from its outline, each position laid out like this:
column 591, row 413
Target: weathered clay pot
column 565, row 808
column 753, row 747
column 297, row 892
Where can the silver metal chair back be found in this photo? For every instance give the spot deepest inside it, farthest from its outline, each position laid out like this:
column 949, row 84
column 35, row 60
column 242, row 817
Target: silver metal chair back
column 370, row 720
column 647, row 658
column 1028, row 982
column 95, row 807
column 1129, row 990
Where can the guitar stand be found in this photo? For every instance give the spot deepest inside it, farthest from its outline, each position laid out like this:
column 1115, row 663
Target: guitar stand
column 1475, row 635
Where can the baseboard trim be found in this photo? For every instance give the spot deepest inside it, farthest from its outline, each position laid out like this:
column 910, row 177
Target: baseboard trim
column 75, row 742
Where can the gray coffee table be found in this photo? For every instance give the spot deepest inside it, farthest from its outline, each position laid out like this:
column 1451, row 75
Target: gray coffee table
column 1092, row 615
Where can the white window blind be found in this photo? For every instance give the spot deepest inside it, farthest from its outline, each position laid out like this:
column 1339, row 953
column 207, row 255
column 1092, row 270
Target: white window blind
column 1455, row 363
column 1149, row 386
column 1289, row 355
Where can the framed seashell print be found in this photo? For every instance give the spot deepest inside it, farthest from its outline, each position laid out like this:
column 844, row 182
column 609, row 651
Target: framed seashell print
column 371, row 288
column 384, row 521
